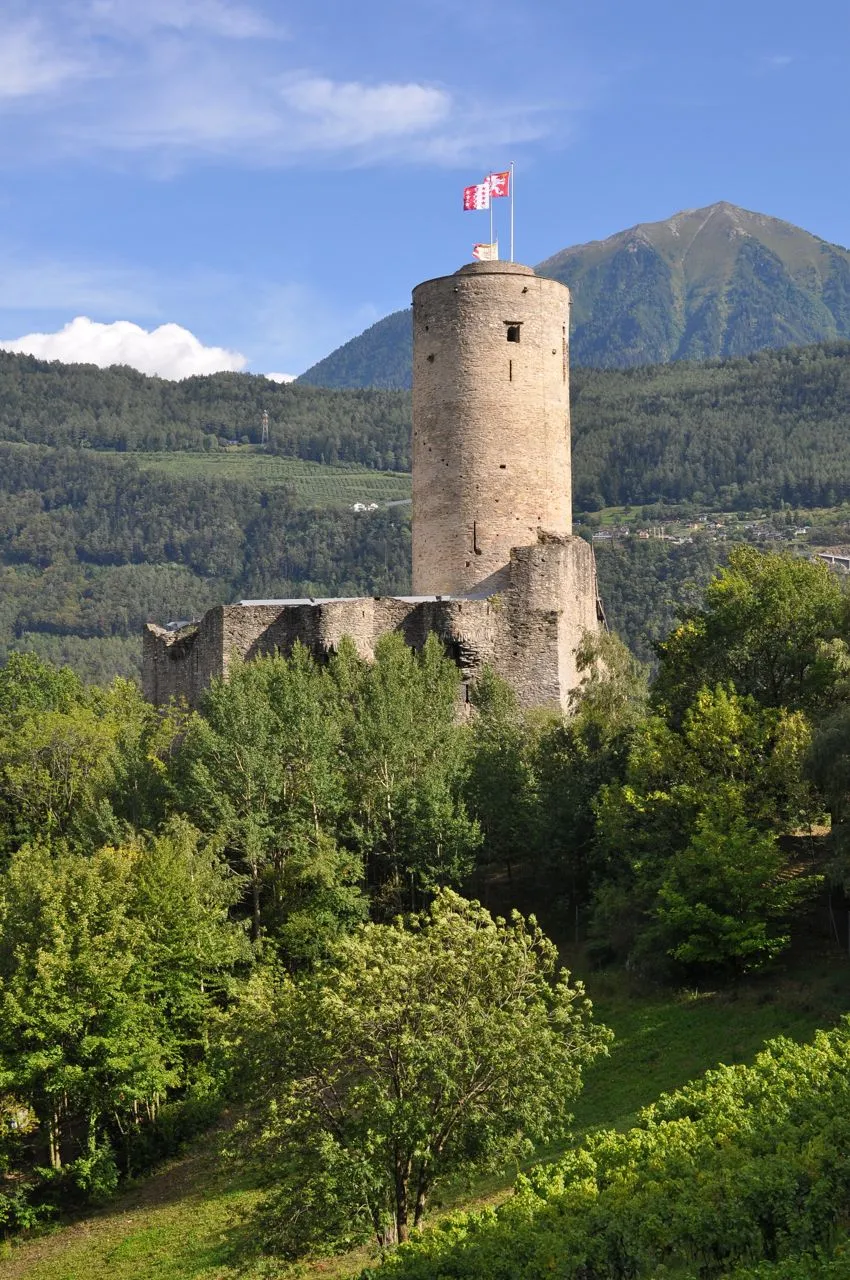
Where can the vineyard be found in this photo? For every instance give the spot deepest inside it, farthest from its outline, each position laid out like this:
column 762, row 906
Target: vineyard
column 313, row 483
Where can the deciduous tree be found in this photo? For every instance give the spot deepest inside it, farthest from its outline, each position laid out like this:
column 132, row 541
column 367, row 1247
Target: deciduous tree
column 445, row 1043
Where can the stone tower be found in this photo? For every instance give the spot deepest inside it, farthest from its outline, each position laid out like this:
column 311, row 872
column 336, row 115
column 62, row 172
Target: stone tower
column 491, row 425
column 497, row 574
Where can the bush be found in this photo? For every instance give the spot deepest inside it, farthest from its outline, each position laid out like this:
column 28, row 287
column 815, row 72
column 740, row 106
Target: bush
column 749, row 1166
column 20, row 1211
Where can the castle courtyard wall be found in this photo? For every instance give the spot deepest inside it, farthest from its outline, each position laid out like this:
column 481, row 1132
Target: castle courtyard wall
column 527, row 632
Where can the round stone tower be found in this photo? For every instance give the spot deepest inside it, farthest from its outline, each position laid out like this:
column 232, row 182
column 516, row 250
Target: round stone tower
column 491, row 424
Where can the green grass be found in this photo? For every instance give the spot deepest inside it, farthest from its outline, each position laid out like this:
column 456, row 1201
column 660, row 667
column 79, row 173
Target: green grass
column 314, row 483
column 662, row 1041
column 187, row 1222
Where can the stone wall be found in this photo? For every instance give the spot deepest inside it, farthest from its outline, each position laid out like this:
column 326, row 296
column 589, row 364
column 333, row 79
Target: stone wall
column 528, row 632
column 181, row 663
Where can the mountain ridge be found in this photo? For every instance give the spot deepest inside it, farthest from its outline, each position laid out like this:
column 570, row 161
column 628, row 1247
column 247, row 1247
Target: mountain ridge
column 715, row 281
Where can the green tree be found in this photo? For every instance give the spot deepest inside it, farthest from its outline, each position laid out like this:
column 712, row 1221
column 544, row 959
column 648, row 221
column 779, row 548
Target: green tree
column 78, row 1039
column 111, row 966
column 447, row 1043
column 260, row 766
column 78, row 765
column 500, row 786
column 733, row 768
column 576, row 756
column 406, row 765
column 774, row 625
column 725, row 900
column 28, row 685
column 181, row 893
column 828, row 766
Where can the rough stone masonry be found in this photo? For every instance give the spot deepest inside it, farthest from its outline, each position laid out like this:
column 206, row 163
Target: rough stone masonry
column 497, row 573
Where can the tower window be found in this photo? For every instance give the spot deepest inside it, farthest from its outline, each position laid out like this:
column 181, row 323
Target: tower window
column 513, row 328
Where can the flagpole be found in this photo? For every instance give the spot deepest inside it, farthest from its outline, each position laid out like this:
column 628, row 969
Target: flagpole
column 512, row 211
column 490, row 204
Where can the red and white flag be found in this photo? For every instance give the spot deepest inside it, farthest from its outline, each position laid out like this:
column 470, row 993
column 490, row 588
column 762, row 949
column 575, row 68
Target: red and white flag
column 477, row 196
column 500, row 184
column 486, row 252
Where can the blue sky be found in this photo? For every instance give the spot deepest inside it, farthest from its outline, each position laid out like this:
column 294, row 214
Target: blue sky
column 273, row 177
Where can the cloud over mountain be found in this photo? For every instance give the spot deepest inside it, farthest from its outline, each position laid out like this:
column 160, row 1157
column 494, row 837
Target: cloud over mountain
column 169, row 351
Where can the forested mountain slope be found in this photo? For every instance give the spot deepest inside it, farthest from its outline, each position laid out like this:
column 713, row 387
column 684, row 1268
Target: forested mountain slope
column 92, row 544
column 51, row 403
column 382, row 356
column 770, row 427
column 719, row 281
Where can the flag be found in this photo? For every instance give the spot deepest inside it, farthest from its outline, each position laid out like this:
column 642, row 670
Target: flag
column 486, row 252
column 477, row 196
column 499, row 184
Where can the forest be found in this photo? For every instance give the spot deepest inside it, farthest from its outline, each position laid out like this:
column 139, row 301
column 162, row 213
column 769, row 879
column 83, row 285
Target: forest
column 272, row 908
column 738, row 433
column 93, row 544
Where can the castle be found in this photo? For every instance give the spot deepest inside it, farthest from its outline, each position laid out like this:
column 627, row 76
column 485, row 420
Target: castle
column 497, row 572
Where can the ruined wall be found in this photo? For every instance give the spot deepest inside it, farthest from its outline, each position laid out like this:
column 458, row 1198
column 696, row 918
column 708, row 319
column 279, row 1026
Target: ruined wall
column 528, row 632
column 181, row 664
column 552, row 601
column 491, row 433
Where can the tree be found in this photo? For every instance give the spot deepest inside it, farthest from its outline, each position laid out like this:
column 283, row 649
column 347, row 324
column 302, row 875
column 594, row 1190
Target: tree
column 110, row 966
column 725, row 900
column 680, row 821
column 78, row 1039
column 445, row 1043
column 77, row 765
column 575, row 756
column 500, row 786
column 406, row 766
column 774, row 625
column 261, row 766
column 828, row 766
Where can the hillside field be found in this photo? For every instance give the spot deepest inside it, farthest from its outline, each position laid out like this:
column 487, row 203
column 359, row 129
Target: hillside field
column 314, row 484
column 186, row 1222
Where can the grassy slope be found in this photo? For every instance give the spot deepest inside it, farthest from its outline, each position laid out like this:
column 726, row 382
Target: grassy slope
column 314, row 483
column 184, row 1223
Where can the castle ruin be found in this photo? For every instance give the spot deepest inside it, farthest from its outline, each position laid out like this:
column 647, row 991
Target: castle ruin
column 497, row 574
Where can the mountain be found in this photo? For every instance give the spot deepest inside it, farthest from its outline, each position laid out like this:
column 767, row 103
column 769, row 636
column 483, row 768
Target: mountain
column 382, row 356
column 711, row 282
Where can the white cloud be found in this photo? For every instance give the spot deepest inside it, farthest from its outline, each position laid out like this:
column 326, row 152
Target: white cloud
column 175, row 80
column 51, row 285
column 345, row 114
column 30, row 64
column 776, row 61
column 208, row 106
column 169, row 351
column 280, row 377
